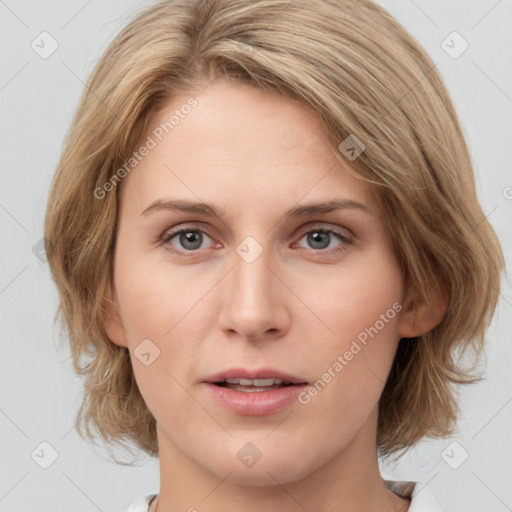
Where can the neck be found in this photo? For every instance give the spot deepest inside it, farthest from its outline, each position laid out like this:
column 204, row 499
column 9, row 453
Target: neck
column 350, row 481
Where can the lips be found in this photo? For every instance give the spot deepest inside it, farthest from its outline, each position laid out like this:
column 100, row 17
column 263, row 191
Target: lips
column 254, row 392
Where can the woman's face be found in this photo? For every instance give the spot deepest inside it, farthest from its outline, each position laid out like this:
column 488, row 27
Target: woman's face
column 312, row 296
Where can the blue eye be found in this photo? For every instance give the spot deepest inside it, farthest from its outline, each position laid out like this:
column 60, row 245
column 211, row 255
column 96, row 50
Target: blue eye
column 191, row 240
column 320, row 239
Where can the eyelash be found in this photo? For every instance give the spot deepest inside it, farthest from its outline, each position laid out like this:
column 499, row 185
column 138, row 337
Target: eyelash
column 342, row 237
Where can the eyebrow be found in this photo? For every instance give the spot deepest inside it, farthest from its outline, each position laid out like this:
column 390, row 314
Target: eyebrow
column 211, row 211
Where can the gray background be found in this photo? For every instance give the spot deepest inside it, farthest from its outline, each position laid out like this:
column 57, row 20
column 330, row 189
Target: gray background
column 39, row 394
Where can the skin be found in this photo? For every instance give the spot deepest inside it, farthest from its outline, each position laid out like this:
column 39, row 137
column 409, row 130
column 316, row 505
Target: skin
column 296, row 308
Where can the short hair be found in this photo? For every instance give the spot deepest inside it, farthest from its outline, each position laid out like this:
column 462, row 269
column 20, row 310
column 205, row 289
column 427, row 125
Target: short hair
column 364, row 75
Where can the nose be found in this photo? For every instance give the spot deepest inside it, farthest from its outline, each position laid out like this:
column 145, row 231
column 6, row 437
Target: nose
column 254, row 300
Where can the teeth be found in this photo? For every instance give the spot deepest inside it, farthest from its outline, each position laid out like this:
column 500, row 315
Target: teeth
column 255, row 382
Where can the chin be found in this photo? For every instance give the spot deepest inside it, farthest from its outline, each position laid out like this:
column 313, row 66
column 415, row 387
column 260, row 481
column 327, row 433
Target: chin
column 276, row 466
column 268, row 475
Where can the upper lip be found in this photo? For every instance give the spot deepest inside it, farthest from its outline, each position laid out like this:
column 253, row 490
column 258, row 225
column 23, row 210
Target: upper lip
column 258, row 373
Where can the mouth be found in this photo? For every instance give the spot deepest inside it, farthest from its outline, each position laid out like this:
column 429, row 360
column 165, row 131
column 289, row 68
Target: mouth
column 243, row 379
column 254, row 392
column 253, row 385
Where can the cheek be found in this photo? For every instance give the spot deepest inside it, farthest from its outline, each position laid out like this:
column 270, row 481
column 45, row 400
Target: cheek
column 359, row 307
column 154, row 299
column 157, row 317
column 163, row 307
column 355, row 297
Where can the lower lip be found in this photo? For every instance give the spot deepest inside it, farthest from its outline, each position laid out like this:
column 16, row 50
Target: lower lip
column 257, row 403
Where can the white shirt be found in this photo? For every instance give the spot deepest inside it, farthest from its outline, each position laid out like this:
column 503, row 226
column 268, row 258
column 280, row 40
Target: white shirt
column 421, row 499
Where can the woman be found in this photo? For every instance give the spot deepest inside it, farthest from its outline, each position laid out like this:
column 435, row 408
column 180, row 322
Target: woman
column 265, row 230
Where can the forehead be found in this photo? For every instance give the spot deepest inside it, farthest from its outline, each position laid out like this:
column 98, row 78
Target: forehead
column 238, row 145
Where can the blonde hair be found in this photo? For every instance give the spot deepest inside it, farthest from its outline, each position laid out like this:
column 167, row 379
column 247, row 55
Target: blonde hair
column 364, row 75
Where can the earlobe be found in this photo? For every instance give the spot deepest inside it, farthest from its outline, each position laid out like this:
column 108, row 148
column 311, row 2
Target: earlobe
column 112, row 320
column 419, row 316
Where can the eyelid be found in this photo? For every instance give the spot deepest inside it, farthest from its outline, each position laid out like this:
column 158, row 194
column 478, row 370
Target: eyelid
column 170, row 233
column 326, row 226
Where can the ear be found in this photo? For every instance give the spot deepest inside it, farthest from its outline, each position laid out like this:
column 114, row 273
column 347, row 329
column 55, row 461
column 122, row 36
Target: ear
column 419, row 316
column 111, row 320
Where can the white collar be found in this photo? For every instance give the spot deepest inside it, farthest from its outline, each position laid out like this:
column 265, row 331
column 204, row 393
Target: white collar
column 421, row 498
